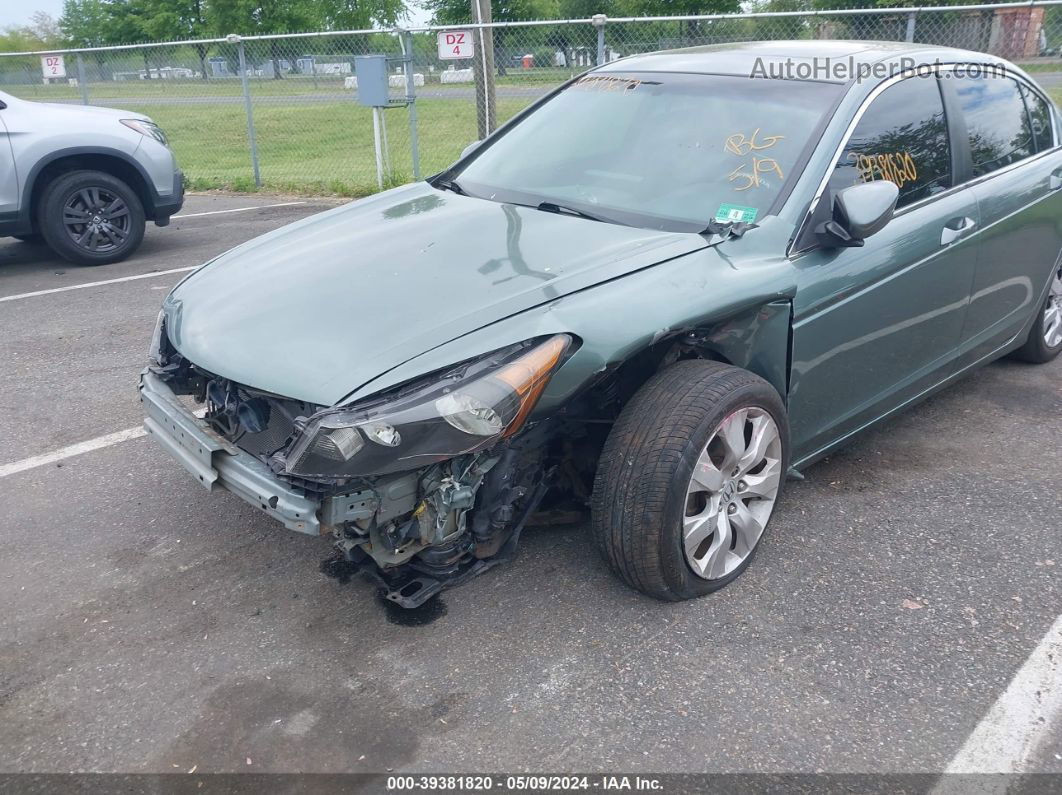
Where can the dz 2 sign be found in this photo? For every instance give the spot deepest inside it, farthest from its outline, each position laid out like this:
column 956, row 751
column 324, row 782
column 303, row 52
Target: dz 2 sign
column 455, row 44
column 53, row 66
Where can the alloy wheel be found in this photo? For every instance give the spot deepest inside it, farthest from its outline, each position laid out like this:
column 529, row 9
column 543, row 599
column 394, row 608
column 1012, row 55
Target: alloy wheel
column 732, row 492
column 1053, row 313
column 96, row 219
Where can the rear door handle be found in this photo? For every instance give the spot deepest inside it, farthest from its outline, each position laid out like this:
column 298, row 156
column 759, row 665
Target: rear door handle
column 1056, row 179
column 956, row 228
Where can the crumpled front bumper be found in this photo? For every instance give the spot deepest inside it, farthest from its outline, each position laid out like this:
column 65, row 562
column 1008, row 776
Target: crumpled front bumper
column 217, row 463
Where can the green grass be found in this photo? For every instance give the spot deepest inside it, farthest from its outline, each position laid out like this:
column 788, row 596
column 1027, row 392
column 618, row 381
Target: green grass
column 322, row 147
column 1045, row 66
column 316, row 148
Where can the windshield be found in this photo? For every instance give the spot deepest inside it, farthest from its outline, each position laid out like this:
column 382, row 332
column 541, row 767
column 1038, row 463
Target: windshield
column 657, row 150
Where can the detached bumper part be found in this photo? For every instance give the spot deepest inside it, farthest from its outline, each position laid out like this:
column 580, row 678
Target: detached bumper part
column 217, row 463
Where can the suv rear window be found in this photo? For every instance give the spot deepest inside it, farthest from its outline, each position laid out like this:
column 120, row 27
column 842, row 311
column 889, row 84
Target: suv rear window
column 998, row 126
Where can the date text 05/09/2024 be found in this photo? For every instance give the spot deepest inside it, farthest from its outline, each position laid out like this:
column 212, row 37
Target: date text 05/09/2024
column 523, row 783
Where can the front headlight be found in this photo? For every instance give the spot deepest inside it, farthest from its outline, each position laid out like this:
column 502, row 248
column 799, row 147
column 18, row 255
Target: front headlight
column 148, row 128
column 462, row 410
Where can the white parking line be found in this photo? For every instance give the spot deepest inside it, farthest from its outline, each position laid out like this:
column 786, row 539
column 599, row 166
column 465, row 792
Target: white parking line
column 67, row 452
column 77, row 449
column 96, row 284
column 36, row 293
column 1021, row 719
column 235, row 210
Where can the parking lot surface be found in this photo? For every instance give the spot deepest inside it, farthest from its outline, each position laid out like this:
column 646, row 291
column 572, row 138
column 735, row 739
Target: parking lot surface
column 150, row 625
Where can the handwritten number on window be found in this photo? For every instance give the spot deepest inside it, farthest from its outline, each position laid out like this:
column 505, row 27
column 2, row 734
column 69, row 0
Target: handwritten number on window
column 898, row 167
column 751, row 173
column 748, row 174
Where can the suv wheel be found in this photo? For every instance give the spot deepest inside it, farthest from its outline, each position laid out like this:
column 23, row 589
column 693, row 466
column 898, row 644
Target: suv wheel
column 689, row 478
column 91, row 218
column 1045, row 338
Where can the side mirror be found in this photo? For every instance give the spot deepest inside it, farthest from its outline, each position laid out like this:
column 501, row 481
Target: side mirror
column 858, row 212
column 469, row 149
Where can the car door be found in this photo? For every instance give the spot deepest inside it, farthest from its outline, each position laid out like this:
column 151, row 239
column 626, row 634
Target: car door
column 1017, row 179
column 8, row 175
column 877, row 325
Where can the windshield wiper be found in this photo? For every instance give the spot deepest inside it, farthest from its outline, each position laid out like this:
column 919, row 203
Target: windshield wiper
column 450, row 184
column 560, row 209
column 727, row 229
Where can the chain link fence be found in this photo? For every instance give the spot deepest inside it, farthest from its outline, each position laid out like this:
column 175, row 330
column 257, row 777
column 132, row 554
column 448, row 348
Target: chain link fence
column 282, row 112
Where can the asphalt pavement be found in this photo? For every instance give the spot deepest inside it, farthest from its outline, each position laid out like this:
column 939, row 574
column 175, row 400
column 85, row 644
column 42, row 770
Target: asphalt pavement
column 152, row 626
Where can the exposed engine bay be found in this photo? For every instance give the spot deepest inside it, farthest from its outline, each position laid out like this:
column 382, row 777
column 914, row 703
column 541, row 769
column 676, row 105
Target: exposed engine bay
column 415, row 531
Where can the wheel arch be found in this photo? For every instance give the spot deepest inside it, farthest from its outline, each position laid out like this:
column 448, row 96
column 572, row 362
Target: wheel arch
column 110, row 161
column 758, row 340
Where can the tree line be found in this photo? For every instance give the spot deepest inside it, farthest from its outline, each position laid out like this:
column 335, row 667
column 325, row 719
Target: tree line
column 100, row 23
column 96, row 23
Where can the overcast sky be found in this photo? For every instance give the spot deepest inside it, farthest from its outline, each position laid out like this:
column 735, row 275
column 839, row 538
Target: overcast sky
column 15, row 12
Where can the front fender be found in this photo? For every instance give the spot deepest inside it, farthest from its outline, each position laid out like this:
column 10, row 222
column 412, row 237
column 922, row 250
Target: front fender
column 739, row 308
column 29, row 183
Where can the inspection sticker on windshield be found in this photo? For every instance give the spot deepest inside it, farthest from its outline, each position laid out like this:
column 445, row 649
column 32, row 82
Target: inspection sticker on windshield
column 735, row 213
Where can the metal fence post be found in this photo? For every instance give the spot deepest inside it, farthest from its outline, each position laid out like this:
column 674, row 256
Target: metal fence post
column 598, row 21
column 406, row 38
column 910, row 26
column 483, row 68
column 81, row 82
column 247, row 104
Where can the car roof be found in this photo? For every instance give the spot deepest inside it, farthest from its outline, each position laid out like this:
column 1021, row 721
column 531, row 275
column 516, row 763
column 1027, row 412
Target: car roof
column 740, row 58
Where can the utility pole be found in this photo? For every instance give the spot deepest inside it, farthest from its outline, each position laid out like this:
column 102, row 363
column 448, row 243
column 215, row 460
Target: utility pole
column 234, row 38
column 483, row 69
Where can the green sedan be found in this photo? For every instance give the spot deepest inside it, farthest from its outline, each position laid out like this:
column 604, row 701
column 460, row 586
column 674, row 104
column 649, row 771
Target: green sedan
column 654, row 294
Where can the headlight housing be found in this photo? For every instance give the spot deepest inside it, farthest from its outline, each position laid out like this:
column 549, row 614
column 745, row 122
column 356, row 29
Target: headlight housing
column 462, row 410
column 148, row 128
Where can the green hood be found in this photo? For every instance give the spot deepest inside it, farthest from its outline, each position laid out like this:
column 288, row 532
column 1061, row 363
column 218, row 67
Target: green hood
column 316, row 309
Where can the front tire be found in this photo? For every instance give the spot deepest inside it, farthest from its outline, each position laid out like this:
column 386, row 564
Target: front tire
column 91, row 218
column 689, row 478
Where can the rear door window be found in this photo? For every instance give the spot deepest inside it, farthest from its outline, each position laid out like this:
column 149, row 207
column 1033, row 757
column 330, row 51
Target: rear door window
column 1040, row 117
column 902, row 137
column 998, row 125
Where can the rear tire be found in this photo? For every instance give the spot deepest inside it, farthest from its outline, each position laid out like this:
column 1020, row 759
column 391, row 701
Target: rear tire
column 1045, row 337
column 656, row 463
column 91, row 218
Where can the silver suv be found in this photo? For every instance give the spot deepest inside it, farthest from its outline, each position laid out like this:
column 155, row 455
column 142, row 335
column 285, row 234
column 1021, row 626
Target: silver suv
column 83, row 179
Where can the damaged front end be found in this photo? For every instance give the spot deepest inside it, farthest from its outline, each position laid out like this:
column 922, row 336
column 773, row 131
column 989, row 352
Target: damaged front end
column 422, row 487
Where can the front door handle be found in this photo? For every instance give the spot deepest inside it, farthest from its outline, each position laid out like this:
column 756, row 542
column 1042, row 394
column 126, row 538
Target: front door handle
column 1056, row 179
column 956, row 228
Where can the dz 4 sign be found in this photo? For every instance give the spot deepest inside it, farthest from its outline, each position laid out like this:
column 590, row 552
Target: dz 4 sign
column 455, row 44
column 53, row 66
